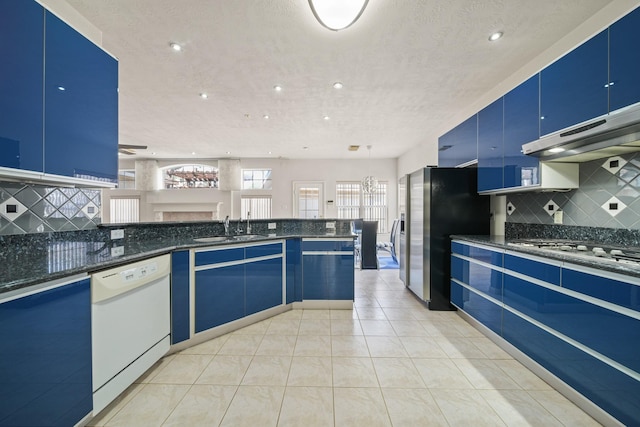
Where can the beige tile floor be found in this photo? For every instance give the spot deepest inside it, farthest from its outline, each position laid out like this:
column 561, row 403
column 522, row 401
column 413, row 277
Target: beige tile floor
column 389, row 361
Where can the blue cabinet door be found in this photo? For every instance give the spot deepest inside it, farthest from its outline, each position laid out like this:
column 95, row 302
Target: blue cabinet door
column 574, row 88
column 459, row 145
column 263, row 285
column 314, row 277
column 521, row 125
column 219, row 296
column 81, row 105
column 21, row 102
column 45, row 357
column 624, row 57
column 340, row 276
column 480, row 308
column 294, row 271
column 490, row 147
column 180, row 315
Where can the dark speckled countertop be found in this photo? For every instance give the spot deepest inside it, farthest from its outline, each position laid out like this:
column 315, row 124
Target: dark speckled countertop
column 502, row 242
column 27, row 260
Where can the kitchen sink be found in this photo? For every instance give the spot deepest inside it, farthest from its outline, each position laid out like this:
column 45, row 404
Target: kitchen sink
column 247, row 236
column 213, row 239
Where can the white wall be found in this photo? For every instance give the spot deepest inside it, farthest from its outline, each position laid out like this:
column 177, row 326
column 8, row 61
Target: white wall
column 284, row 173
column 426, row 153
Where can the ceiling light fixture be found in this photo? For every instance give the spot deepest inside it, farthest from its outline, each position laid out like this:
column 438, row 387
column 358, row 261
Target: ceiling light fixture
column 369, row 182
column 175, row 46
column 338, row 85
column 266, row 116
column 277, row 88
column 337, row 14
column 326, row 117
column 495, row 36
column 193, row 153
column 204, row 95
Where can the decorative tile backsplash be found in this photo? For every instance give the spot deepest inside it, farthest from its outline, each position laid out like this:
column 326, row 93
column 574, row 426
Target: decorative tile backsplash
column 608, row 197
column 30, row 208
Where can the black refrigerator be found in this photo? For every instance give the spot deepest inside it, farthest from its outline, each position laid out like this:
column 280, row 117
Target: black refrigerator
column 442, row 202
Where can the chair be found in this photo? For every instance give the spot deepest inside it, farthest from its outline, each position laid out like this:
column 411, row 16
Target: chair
column 391, row 245
column 356, row 228
column 368, row 250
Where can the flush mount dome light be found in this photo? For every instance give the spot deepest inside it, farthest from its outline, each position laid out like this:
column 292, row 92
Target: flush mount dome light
column 337, row 14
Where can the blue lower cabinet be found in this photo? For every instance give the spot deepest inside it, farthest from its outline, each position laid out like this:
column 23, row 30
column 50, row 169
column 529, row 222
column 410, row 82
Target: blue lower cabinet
column 180, row 296
column 219, row 296
column 607, row 387
column 314, row 277
column 539, row 270
column 45, row 357
column 341, row 282
column 263, row 281
column 607, row 289
column 294, row 271
column 611, row 334
column 478, row 276
column 478, row 307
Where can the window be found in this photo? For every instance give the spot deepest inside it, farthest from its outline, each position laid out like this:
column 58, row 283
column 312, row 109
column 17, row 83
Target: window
column 127, row 179
column 191, row 176
column 256, row 179
column 124, row 210
column 258, row 206
column 353, row 203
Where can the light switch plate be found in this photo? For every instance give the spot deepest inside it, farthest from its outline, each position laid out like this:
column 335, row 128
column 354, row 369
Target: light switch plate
column 117, row 251
column 117, row 234
column 331, row 224
column 271, row 226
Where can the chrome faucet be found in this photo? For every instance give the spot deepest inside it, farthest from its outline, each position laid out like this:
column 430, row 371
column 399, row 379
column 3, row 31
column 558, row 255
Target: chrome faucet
column 226, row 226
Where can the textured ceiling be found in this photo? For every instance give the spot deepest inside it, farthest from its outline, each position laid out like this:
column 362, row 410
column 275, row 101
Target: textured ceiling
column 407, row 66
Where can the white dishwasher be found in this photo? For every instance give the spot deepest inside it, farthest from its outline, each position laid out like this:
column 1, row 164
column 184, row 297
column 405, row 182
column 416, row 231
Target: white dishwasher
column 130, row 324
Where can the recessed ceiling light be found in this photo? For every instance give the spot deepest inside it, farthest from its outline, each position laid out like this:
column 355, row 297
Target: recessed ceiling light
column 269, row 152
column 153, row 153
column 266, row 116
column 326, row 117
column 495, row 36
column 193, row 153
column 277, row 88
column 228, row 152
column 175, row 46
column 204, row 95
column 338, row 85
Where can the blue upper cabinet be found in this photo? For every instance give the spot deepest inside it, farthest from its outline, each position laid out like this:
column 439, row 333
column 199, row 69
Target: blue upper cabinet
column 21, row 110
column 459, row 145
column 521, row 125
column 624, row 57
column 574, row 88
column 81, row 105
column 490, row 150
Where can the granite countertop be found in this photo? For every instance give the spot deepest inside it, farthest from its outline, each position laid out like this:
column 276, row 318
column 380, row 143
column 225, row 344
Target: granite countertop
column 24, row 266
column 500, row 242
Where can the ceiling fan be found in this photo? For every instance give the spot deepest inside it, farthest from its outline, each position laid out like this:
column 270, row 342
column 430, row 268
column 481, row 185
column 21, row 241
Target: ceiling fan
column 130, row 149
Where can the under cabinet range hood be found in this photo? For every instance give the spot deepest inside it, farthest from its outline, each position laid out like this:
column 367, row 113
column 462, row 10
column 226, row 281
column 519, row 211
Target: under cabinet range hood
column 606, row 136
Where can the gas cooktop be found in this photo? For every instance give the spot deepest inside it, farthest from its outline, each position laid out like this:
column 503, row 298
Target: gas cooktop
column 584, row 249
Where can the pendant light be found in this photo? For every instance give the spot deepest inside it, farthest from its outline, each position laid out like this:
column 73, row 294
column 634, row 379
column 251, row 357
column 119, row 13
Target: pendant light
column 337, row 14
column 369, row 182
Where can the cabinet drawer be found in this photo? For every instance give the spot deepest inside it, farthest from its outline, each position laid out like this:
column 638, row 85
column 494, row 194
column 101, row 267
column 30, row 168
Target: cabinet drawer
column 217, row 256
column 481, row 254
column 610, row 290
column 263, row 250
column 327, row 245
column 538, row 270
column 480, row 277
column 481, row 309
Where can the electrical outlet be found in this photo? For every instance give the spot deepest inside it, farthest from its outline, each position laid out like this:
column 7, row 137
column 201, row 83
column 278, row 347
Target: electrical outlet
column 331, row 224
column 117, row 251
column 557, row 217
column 117, row 234
column 271, row 226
